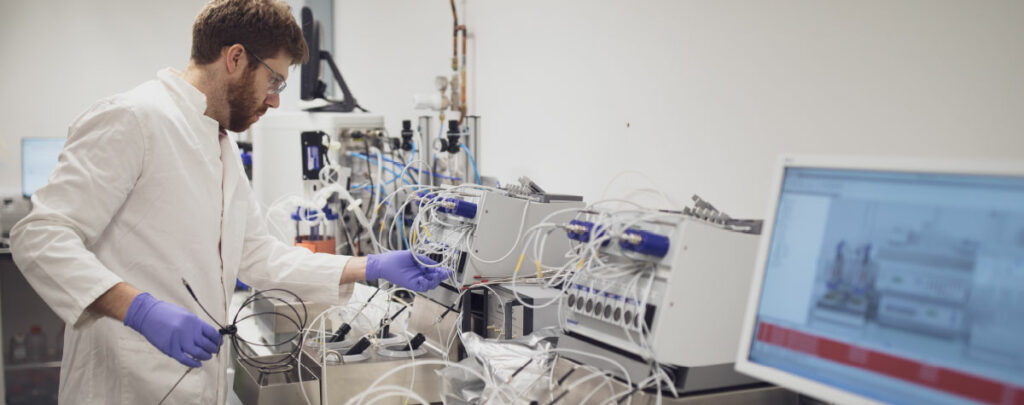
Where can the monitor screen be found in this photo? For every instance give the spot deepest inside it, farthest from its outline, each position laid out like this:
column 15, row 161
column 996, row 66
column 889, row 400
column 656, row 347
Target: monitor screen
column 310, row 70
column 901, row 287
column 317, row 20
column 38, row 159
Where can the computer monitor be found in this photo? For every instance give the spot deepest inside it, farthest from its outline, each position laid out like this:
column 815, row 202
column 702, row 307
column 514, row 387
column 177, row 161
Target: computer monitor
column 38, row 159
column 882, row 281
column 312, row 88
column 309, row 72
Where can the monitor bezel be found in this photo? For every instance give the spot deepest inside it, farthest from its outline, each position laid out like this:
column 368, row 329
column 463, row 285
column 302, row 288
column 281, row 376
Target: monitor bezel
column 309, row 72
column 794, row 382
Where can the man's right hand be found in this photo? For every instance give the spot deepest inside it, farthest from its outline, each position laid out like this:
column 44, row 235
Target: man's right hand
column 175, row 331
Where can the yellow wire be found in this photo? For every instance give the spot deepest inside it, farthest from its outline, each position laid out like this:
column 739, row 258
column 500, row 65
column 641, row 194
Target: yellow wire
column 520, row 264
column 539, row 272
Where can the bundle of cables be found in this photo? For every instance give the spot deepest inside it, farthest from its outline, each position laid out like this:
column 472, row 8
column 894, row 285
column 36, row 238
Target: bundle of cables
column 430, row 231
column 281, row 361
column 588, row 257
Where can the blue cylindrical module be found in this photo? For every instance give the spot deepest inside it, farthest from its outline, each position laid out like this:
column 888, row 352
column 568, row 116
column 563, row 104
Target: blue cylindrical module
column 580, row 236
column 425, row 197
column 650, row 244
column 586, row 235
column 462, row 208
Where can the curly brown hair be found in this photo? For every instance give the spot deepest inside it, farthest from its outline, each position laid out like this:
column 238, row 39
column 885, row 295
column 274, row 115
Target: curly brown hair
column 264, row 27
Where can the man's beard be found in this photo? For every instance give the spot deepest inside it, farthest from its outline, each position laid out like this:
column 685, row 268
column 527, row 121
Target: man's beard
column 243, row 107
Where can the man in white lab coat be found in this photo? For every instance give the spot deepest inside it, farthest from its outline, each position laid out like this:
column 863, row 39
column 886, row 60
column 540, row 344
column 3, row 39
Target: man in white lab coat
column 148, row 191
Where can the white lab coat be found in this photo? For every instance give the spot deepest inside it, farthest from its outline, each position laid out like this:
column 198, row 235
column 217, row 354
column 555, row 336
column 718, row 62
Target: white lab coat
column 147, row 193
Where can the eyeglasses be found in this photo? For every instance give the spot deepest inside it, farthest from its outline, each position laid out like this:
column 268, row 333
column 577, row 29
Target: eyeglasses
column 277, row 83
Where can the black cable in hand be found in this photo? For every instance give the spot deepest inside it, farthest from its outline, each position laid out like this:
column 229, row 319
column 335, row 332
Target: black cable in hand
column 245, row 354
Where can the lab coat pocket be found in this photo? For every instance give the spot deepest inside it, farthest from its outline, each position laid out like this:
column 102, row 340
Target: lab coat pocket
column 147, row 375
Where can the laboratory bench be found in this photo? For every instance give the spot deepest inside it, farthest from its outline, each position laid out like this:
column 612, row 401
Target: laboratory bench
column 31, row 375
column 348, row 380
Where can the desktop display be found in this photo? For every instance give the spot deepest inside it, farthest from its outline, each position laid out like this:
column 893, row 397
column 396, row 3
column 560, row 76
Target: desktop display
column 893, row 286
column 38, row 159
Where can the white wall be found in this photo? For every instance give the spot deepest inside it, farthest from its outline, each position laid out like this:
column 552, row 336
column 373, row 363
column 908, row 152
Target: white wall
column 388, row 50
column 61, row 56
column 702, row 96
column 711, row 91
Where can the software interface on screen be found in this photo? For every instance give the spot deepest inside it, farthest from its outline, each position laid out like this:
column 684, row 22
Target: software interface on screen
column 901, row 287
column 38, row 159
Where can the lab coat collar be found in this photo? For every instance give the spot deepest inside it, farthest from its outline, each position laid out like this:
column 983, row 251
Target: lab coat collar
column 194, row 101
column 188, row 93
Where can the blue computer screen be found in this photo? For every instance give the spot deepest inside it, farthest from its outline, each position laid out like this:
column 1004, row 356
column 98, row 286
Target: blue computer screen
column 38, row 159
column 897, row 286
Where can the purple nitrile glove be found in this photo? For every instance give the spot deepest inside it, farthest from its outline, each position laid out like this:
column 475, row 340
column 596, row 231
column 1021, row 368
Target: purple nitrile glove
column 438, row 274
column 175, row 331
column 400, row 268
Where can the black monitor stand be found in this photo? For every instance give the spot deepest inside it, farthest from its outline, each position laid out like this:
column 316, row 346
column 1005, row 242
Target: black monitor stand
column 347, row 103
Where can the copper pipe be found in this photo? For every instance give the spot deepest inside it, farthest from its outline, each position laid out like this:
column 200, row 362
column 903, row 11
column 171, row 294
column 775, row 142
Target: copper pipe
column 456, row 29
column 455, row 38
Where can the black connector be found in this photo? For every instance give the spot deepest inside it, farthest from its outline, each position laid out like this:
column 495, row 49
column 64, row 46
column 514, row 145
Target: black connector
column 359, row 347
column 339, row 335
column 229, row 330
column 415, row 343
column 406, row 135
column 451, row 145
column 385, row 332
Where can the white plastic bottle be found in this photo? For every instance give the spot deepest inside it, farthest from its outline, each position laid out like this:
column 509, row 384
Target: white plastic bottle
column 19, row 353
column 35, row 344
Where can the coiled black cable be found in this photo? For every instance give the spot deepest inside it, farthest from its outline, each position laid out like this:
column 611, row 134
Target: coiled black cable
column 282, row 361
column 276, row 363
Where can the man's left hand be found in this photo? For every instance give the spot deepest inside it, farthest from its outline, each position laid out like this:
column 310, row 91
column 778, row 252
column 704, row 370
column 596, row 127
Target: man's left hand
column 418, row 273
